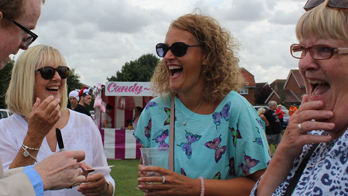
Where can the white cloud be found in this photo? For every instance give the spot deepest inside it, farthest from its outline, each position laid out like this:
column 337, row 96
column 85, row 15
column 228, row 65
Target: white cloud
column 99, row 37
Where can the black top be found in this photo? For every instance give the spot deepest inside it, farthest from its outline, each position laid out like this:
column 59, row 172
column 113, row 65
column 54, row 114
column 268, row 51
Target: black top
column 81, row 109
column 274, row 123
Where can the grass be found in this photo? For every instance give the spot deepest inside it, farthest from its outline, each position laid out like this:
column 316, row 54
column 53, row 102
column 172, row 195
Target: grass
column 125, row 174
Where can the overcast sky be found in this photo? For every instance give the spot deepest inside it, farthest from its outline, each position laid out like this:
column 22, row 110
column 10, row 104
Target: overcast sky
column 97, row 37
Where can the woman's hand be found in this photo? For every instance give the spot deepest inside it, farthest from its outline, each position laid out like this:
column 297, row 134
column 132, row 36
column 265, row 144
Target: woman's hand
column 295, row 138
column 95, row 185
column 42, row 118
column 166, row 182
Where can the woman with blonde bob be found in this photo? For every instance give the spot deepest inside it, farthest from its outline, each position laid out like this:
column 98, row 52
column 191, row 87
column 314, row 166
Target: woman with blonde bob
column 39, row 73
column 218, row 145
column 312, row 156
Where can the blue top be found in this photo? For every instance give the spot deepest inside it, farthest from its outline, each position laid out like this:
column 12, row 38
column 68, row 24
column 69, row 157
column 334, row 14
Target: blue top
column 225, row 144
column 35, row 180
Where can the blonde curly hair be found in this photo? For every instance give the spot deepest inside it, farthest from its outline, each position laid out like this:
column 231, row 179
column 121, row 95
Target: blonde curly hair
column 221, row 73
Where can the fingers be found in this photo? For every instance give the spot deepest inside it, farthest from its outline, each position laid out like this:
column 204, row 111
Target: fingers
column 79, row 155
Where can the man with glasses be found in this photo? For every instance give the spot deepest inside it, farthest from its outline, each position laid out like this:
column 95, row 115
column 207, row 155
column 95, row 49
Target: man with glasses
column 59, row 170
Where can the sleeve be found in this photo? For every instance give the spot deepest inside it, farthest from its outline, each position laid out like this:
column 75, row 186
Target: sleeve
column 99, row 158
column 252, row 153
column 17, row 183
column 142, row 128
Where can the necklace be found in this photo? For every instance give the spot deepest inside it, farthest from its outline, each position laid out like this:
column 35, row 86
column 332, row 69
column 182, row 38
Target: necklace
column 184, row 123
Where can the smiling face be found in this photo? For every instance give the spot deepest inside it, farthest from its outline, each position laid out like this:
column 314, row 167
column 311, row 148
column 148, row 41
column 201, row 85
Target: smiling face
column 11, row 36
column 185, row 72
column 44, row 88
column 327, row 80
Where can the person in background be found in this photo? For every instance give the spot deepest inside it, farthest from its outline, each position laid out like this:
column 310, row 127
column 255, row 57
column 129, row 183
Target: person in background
column 292, row 109
column 137, row 112
column 73, row 99
column 216, row 129
column 316, row 138
column 17, row 19
column 85, row 100
column 106, row 118
column 273, row 131
column 280, row 114
column 44, row 70
column 261, row 111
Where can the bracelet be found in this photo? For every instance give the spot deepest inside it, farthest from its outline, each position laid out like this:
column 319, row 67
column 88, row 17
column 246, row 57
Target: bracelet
column 202, row 185
column 30, row 148
column 26, row 153
column 107, row 187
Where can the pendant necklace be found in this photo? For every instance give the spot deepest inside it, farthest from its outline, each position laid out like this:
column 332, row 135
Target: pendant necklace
column 184, row 123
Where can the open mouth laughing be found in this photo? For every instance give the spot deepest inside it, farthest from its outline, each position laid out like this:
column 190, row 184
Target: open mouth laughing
column 319, row 87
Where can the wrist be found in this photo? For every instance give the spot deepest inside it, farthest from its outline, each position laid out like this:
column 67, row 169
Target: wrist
column 107, row 184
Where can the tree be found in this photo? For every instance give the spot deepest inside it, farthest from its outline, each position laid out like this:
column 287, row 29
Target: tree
column 262, row 95
column 73, row 81
column 140, row 70
column 5, row 77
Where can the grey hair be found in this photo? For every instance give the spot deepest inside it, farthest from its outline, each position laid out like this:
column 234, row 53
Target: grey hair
column 270, row 103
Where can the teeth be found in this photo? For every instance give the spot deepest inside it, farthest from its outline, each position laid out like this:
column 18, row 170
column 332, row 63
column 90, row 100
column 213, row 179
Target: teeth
column 53, row 88
column 317, row 82
column 174, row 67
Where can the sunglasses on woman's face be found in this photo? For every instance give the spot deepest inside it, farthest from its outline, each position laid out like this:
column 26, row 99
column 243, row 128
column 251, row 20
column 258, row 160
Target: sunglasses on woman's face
column 48, row 72
column 179, row 49
column 341, row 4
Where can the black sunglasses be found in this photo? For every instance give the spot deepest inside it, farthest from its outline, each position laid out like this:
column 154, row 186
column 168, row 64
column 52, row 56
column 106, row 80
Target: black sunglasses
column 32, row 36
column 341, row 4
column 179, row 49
column 48, row 72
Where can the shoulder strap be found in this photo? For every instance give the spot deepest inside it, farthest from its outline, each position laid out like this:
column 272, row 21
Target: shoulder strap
column 171, row 134
column 299, row 171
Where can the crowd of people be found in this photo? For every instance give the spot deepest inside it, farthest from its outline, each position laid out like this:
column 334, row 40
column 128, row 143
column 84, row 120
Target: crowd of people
column 219, row 144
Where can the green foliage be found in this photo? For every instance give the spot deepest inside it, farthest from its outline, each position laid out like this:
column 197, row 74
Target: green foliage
column 5, row 77
column 73, row 81
column 140, row 70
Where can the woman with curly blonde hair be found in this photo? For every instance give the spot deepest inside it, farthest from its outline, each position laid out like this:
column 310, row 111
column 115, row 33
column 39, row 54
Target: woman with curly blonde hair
column 218, row 148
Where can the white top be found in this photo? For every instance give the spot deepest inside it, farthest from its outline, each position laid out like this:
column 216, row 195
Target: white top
column 79, row 134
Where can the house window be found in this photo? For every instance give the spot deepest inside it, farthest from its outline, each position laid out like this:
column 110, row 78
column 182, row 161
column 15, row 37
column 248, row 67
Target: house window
column 244, row 91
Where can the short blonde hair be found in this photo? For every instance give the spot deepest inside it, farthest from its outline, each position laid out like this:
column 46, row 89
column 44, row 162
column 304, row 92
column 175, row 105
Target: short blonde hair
column 261, row 110
column 20, row 93
column 222, row 72
column 323, row 22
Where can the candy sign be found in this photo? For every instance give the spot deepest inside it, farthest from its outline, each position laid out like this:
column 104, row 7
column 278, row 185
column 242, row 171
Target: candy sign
column 128, row 89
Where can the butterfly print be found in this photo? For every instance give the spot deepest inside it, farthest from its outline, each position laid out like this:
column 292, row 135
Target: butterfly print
column 161, row 139
column 232, row 170
column 235, row 135
column 215, row 144
column 167, row 121
column 150, row 104
column 186, row 146
column 249, row 163
column 217, row 176
column 148, row 129
column 217, row 116
column 183, row 171
column 258, row 140
column 260, row 122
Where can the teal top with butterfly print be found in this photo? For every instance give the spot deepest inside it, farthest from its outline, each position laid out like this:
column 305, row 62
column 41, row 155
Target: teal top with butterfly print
column 225, row 144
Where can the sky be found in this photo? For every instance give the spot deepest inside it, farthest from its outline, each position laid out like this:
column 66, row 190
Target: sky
column 97, row 37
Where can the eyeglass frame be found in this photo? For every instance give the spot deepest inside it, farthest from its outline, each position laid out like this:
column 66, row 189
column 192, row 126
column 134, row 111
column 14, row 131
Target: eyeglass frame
column 169, row 48
column 55, row 70
column 333, row 51
column 31, row 34
column 330, row 4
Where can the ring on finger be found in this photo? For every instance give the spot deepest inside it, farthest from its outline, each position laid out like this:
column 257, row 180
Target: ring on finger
column 163, row 179
column 300, row 127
